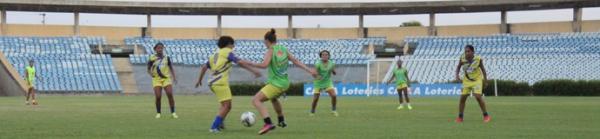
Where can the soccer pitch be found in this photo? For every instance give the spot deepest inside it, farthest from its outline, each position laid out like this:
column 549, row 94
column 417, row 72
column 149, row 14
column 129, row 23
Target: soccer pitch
column 360, row 117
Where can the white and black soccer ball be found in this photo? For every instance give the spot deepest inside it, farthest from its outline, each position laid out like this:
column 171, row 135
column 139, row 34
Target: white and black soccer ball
column 248, row 119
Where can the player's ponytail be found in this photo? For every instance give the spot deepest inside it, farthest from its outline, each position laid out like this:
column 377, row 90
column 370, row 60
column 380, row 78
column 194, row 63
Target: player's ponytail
column 270, row 36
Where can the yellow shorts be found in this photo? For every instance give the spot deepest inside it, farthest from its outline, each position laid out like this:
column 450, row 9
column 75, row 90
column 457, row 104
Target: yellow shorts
column 223, row 92
column 272, row 91
column 472, row 86
column 161, row 82
column 402, row 86
column 318, row 90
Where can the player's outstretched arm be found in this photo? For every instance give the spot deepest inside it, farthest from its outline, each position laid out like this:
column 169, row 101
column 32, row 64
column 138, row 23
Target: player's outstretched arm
column 266, row 60
column 247, row 65
column 301, row 65
column 172, row 71
column 407, row 79
column 333, row 70
column 391, row 78
column 202, row 72
column 483, row 71
column 149, row 68
column 456, row 72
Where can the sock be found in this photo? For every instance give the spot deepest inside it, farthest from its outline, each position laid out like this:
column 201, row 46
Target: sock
column 333, row 108
column 268, row 121
column 312, row 110
column 460, row 115
column 485, row 114
column 157, row 109
column 408, row 104
column 217, row 122
column 280, row 119
column 172, row 109
column 402, row 104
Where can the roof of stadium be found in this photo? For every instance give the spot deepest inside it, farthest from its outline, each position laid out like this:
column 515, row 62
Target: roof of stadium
column 287, row 7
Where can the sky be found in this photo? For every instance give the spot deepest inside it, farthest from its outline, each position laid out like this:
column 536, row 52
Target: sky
column 17, row 17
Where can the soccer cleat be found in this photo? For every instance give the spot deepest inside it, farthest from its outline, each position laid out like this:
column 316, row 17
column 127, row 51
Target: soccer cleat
column 222, row 126
column 174, row 115
column 26, row 102
column 214, row 130
column 458, row 120
column 266, row 128
column 282, row 124
column 400, row 107
column 157, row 116
column 335, row 113
column 409, row 107
column 487, row 119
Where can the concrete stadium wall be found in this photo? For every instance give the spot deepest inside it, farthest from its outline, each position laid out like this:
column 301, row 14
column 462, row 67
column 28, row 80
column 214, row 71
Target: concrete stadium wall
column 590, row 26
column 39, row 30
column 253, row 33
column 114, row 35
column 468, row 30
column 393, row 34
column 11, row 84
column 184, row 33
column 397, row 34
column 188, row 75
column 541, row 27
column 327, row 33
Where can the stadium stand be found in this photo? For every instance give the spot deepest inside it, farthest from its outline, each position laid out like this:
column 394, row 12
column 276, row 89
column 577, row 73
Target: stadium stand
column 520, row 57
column 196, row 51
column 65, row 64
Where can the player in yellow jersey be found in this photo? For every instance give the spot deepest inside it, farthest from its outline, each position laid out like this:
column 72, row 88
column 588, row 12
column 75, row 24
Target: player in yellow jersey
column 30, row 77
column 220, row 64
column 162, row 73
column 402, row 84
column 473, row 81
column 276, row 62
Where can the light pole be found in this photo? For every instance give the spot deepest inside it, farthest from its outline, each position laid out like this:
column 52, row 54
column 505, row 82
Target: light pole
column 43, row 18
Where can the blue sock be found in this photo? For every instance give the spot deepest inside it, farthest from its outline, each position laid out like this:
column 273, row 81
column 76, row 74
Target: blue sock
column 157, row 109
column 217, row 122
column 172, row 109
column 333, row 108
column 312, row 111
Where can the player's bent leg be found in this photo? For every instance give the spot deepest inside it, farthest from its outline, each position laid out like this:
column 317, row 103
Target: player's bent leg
column 400, row 99
column 225, row 109
column 314, row 104
column 486, row 117
column 333, row 96
column 461, row 107
column 257, row 101
column 280, row 117
column 405, row 93
column 157, row 98
column 169, row 92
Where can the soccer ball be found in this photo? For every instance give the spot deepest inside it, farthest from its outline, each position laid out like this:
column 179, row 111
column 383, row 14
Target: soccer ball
column 248, row 119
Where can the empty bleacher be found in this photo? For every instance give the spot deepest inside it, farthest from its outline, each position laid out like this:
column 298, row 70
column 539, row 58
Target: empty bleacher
column 520, row 57
column 196, row 51
column 64, row 64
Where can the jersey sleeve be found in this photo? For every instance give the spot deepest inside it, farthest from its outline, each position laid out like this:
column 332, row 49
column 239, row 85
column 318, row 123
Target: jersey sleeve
column 231, row 57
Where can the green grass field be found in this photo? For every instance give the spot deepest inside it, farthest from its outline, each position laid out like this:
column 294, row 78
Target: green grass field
column 360, row 117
